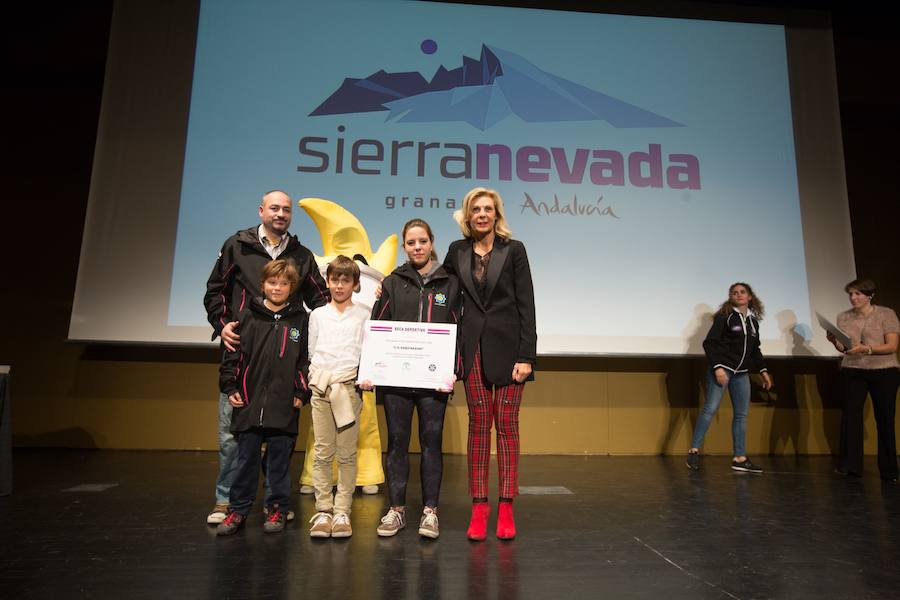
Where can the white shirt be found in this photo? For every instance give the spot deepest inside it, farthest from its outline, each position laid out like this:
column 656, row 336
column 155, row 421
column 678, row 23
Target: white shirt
column 335, row 338
column 274, row 250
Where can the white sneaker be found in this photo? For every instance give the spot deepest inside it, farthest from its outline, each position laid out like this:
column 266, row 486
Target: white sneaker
column 370, row 489
column 340, row 526
column 391, row 523
column 307, row 489
column 218, row 514
column 428, row 526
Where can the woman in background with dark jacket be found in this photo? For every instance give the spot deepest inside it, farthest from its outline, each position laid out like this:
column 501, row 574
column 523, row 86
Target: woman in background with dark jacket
column 732, row 348
column 500, row 348
column 420, row 290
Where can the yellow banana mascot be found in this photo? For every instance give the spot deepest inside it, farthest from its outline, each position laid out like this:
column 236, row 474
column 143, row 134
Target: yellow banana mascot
column 342, row 233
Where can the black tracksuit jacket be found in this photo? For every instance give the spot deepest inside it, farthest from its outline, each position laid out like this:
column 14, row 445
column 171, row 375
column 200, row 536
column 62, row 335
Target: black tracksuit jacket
column 270, row 367
column 235, row 277
column 405, row 296
column 733, row 343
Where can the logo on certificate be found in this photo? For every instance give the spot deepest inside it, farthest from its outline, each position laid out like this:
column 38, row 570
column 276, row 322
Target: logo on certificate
column 432, row 367
column 406, row 366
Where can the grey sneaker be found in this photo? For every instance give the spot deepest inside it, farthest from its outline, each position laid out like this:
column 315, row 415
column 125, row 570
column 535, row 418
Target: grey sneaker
column 218, row 513
column 321, row 525
column 340, row 526
column 275, row 519
column 230, row 524
column 746, row 466
column 391, row 523
column 428, row 525
column 693, row 461
column 289, row 515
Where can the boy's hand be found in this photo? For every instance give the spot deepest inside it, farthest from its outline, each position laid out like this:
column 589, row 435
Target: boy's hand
column 366, row 385
column 297, row 402
column 236, row 400
column 767, row 381
column 229, row 337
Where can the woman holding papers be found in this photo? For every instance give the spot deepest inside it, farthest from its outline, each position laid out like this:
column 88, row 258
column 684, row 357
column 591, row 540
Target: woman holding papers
column 869, row 366
column 420, row 290
column 732, row 349
column 500, row 348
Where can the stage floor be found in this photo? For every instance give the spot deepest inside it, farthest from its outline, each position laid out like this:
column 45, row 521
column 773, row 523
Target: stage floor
column 632, row 527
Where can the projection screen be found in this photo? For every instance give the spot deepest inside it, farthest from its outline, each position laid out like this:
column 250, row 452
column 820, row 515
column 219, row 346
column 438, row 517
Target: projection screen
column 646, row 162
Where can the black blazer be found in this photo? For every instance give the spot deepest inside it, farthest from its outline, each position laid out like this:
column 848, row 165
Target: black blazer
column 504, row 325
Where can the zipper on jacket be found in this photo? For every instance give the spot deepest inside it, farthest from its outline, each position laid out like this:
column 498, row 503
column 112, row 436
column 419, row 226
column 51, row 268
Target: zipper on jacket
column 744, row 352
column 421, row 297
column 430, row 304
column 262, row 409
column 284, row 332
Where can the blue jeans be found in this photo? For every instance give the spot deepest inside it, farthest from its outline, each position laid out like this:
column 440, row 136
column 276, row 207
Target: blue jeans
column 228, row 452
column 276, row 465
column 228, row 455
column 739, row 389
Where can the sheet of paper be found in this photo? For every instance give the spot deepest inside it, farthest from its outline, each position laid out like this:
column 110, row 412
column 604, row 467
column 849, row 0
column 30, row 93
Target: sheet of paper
column 408, row 354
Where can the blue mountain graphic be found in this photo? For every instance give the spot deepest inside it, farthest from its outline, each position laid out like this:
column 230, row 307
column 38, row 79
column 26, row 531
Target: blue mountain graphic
column 482, row 93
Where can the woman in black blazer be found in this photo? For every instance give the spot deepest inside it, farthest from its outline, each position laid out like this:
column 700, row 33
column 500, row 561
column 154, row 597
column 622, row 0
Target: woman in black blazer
column 499, row 339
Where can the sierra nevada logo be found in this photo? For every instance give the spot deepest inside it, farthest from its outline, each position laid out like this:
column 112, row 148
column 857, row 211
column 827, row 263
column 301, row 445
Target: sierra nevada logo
column 482, row 93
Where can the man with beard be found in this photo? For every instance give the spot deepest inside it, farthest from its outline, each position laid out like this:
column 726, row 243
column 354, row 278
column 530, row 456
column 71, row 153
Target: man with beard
column 234, row 281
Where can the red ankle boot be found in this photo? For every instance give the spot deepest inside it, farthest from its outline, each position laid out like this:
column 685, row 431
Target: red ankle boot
column 506, row 524
column 477, row 531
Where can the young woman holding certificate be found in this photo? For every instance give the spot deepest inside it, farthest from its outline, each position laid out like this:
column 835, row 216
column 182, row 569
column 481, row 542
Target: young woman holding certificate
column 499, row 348
column 420, row 290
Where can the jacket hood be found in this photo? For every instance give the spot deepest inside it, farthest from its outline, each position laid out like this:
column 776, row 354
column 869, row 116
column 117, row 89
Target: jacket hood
column 408, row 272
column 257, row 306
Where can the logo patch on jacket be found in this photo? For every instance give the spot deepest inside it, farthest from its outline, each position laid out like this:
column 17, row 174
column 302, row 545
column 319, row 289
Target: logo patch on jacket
column 294, row 334
column 440, row 299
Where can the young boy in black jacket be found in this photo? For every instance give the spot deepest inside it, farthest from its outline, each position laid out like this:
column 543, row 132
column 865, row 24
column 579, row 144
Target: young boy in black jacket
column 266, row 381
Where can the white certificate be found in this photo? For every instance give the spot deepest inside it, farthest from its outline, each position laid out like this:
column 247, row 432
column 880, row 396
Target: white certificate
column 408, row 354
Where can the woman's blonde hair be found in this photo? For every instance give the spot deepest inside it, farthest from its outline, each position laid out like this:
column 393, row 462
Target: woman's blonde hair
column 501, row 227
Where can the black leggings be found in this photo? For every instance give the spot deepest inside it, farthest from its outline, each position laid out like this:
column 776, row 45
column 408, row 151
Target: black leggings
column 398, row 410
column 881, row 384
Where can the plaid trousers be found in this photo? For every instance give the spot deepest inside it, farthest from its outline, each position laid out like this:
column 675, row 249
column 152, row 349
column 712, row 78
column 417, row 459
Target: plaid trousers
column 499, row 405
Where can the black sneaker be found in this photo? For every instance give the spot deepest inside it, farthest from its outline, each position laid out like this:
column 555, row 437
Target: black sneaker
column 746, row 466
column 693, row 461
column 231, row 524
column 275, row 519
